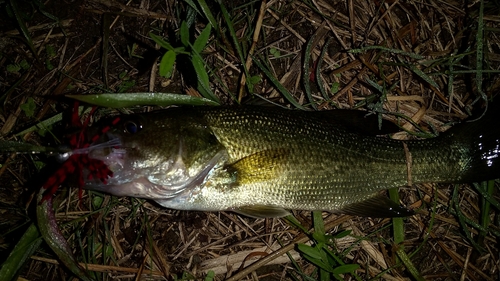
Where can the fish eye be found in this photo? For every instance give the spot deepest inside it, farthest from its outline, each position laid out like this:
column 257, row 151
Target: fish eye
column 131, row 127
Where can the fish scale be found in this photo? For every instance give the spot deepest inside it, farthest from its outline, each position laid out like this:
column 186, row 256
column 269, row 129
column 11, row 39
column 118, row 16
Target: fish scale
column 264, row 161
column 319, row 158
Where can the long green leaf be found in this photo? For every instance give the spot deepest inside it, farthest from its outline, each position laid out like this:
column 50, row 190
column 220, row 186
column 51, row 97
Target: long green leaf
column 200, row 42
column 310, row 251
column 167, row 63
column 202, row 75
column 21, row 147
column 160, row 41
column 319, row 225
column 184, row 32
column 134, row 99
column 26, row 246
column 346, row 268
column 199, row 67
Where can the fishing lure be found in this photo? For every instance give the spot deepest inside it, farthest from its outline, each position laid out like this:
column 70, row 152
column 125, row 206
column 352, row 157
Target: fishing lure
column 78, row 158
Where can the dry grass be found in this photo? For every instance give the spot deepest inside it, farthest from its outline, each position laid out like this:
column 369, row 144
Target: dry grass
column 129, row 239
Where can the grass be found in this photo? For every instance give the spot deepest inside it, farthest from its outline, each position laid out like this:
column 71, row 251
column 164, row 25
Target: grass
column 422, row 64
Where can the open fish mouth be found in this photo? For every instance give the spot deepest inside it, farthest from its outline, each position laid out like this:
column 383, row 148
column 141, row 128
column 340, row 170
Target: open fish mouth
column 142, row 187
column 133, row 180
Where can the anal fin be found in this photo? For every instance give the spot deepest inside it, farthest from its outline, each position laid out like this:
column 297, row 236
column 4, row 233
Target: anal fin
column 377, row 206
column 262, row 211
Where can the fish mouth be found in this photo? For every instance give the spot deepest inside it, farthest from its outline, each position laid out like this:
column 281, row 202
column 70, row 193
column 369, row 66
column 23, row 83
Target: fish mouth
column 128, row 180
column 109, row 149
column 142, row 187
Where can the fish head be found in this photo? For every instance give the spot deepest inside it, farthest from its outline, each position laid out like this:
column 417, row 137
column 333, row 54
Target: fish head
column 154, row 155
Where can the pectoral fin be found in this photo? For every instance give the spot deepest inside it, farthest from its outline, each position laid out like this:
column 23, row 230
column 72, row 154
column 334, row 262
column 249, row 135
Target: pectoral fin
column 377, row 206
column 260, row 166
column 262, row 211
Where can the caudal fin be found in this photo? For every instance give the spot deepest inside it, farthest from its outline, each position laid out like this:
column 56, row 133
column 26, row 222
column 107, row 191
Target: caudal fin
column 480, row 140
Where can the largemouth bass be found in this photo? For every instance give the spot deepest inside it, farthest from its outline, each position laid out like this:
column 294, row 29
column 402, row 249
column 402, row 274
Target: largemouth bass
column 262, row 162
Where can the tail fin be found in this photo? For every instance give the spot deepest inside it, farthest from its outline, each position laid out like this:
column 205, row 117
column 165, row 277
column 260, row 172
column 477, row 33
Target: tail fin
column 481, row 143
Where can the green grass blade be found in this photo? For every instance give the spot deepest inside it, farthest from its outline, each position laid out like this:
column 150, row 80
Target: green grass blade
column 49, row 121
column 202, row 75
column 22, row 26
column 106, row 26
column 234, row 37
column 306, row 72
column 161, row 42
column 409, row 265
column 488, row 194
column 192, row 5
column 474, row 224
column 12, row 88
column 390, row 50
column 41, row 8
column 463, row 222
column 191, row 13
column 422, row 75
column 319, row 235
column 451, row 77
column 488, row 71
column 319, row 225
column 488, row 188
column 232, row 32
column 21, row 147
column 480, row 51
column 397, row 223
column 134, row 99
column 295, row 222
column 208, row 14
column 27, row 245
column 199, row 67
column 277, row 84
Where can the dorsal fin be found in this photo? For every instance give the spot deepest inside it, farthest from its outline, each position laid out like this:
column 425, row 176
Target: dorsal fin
column 357, row 121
